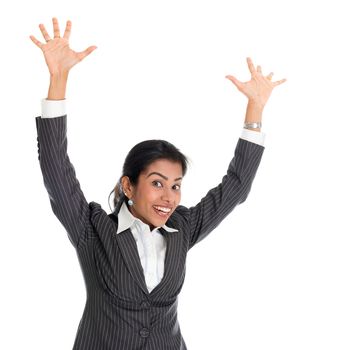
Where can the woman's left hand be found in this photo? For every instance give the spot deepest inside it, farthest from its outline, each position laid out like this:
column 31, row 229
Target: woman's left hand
column 259, row 88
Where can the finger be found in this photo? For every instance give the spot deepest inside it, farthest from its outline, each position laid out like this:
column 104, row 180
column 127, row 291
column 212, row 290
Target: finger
column 56, row 28
column 44, row 32
column 269, row 76
column 86, row 52
column 68, row 29
column 258, row 69
column 251, row 66
column 279, row 82
column 36, row 41
column 234, row 80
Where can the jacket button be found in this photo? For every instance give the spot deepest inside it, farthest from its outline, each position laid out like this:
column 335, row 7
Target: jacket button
column 145, row 304
column 144, row 332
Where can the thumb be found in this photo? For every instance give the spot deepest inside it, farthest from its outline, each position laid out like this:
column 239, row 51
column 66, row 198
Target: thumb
column 234, row 80
column 86, row 52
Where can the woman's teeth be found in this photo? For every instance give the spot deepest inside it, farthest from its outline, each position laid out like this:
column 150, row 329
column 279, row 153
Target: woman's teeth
column 162, row 211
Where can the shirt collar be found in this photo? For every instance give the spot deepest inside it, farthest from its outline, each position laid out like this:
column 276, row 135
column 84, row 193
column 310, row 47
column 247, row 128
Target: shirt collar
column 126, row 220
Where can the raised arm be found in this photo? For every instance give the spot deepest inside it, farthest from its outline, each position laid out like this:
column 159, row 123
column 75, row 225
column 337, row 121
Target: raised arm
column 232, row 191
column 236, row 184
column 67, row 200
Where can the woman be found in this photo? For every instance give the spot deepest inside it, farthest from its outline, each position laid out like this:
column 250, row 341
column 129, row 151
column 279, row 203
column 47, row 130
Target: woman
column 133, row 260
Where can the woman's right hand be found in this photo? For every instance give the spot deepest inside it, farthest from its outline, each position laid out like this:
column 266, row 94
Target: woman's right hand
column 59, row 57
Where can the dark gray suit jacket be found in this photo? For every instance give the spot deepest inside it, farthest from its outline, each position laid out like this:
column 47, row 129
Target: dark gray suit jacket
column 120, row 313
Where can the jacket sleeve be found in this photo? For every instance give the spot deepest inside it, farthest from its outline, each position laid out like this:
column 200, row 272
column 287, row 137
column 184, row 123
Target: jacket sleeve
column 233, row 190
column 66, row 198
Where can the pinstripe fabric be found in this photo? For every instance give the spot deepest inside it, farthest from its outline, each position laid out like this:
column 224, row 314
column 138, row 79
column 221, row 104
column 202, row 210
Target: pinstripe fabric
column 120, row 313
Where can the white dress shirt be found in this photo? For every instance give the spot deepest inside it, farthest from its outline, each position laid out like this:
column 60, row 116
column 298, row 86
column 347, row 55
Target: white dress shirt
column 151, row 245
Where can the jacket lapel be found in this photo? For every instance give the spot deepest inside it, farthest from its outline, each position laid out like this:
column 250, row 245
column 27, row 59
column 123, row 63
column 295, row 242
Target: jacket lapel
column 129, row 252
column 128, row 249
column 172, row 257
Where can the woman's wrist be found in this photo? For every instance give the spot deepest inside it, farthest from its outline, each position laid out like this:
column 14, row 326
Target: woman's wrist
column 254, row 113
column 58, row 85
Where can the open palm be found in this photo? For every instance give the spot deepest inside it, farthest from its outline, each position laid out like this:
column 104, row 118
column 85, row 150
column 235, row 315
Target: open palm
column 59, row 57
column 259, row 88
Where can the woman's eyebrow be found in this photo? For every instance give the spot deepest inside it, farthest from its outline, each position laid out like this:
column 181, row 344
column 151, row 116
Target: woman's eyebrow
column 161, row 175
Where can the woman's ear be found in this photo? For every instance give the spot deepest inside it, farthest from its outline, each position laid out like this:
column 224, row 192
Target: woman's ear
column 127, row 186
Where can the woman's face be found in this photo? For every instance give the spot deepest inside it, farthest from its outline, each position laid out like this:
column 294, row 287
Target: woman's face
column 157, row 193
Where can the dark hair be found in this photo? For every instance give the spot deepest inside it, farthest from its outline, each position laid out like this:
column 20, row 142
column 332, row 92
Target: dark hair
column 140, row 157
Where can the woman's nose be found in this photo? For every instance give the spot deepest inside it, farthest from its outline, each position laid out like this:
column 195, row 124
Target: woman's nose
column 167, row 195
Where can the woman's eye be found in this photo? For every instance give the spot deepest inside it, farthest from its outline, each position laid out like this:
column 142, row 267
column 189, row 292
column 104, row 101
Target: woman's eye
column 177, row 187
column 156, row 183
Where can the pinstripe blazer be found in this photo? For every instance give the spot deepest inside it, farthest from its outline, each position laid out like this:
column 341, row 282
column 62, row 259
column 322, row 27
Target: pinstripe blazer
column 120, row 313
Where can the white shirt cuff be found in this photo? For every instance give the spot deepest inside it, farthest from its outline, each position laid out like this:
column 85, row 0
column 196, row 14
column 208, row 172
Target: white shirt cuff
column 253, row 136
column 53, row 108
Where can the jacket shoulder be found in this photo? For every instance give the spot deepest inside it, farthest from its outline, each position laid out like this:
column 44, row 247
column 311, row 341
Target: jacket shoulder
column 179, row 218
column 99, row 219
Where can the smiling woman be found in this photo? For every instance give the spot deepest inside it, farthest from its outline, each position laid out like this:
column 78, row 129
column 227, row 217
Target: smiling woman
column 151, row 181
column 133, row 259
column 161, row 195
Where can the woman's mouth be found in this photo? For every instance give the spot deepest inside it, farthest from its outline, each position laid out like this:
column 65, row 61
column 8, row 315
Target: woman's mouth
column 162, row 211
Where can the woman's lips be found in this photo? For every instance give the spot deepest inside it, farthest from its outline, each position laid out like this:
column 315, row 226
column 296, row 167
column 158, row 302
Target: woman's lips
column 161, row 213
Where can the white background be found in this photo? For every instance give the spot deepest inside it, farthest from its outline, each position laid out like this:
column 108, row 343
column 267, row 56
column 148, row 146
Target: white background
column 276, row 273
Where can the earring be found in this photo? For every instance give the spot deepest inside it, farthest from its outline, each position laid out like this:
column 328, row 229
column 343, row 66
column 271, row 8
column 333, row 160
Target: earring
column 130, row 201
